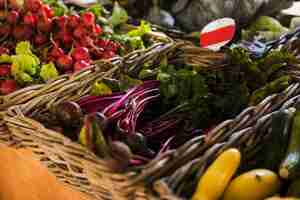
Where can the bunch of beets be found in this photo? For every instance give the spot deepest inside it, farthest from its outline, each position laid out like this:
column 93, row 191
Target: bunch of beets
column 71, row 42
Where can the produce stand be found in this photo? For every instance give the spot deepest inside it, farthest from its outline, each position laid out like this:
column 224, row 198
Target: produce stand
column 112, row 146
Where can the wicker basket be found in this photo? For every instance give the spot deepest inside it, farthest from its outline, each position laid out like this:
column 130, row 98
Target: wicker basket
column 69, row 161
column 165, row 175
column 83, row 171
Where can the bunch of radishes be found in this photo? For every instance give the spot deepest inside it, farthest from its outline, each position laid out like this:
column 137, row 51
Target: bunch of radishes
column 81, row 36
column 71, row 42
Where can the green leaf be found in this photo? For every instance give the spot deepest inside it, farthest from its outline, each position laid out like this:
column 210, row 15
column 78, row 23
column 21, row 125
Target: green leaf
column 23, row 78
column 128, row 82
column 141, row 30
column 23, row 48
column 119, row 15
column 48, row 71
column 24, row 64
column 96, row 9
column 100, row 89
column 4, row 58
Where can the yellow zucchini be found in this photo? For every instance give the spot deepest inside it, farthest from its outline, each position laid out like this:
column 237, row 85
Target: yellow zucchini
column 214, row 181
column 256, row 184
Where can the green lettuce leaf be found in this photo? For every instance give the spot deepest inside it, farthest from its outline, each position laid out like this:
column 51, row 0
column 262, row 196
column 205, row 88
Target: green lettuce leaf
column 4, row 58
column 119, row 15
column 48, row 71
column 141, row 30
column 100, row 89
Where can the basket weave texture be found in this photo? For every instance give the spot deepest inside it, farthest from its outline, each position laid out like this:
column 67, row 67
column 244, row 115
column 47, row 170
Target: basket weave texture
column 165, row 175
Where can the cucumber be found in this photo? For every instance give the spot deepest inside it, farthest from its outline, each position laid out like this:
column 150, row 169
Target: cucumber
column 275, row 148
column 290, row 166
column 294, row 189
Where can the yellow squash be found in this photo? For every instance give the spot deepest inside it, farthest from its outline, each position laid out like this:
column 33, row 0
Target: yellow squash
column 256, row 184
column 217, row 177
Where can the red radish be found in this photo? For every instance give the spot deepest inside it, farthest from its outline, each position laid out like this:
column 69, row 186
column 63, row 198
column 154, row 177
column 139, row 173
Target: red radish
column 48, row 11
column 80, row 53
column 8, row 86
column 81, row 64
column 30, row 19
column 56, row 52
column 12, row 17
column 108, row 54
column 74, row 21
column 97, row 29
column 102, row 43
column 18, row 32
column 67, row 38
column 26, row 33
column 44, row 25
column 4, row 70
column 62, row 21
column 87, row 42
column 40, row 39
column 88, row 19
column 4, row 50
column 33, row 5
column 5, row 29
column 77, row 44
column 2, row 3
column 65, row 62
column 79, row 32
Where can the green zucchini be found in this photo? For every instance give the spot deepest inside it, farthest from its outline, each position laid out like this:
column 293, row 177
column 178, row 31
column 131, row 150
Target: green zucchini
column 290, row 166
column 276, row 146
column 294, row 189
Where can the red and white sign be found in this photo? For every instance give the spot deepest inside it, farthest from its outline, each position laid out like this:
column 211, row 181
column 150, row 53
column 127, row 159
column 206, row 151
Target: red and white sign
column 217, row 33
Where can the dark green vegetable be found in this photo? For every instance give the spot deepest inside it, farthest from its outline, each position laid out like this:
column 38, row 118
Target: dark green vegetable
column 92, row 136
column 294, row 189
column 270, row 88
column 290, row 166
column 276, row 146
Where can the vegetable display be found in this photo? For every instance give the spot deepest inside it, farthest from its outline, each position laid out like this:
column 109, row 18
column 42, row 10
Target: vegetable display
column 146, row 111
column 40, row 40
